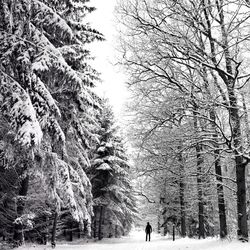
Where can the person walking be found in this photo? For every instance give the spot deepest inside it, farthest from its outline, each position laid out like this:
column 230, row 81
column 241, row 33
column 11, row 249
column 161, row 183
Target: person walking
column 148, row 231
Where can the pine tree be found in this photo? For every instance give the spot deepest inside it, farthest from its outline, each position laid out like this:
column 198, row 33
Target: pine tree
column 114, row 204
column 46, row 95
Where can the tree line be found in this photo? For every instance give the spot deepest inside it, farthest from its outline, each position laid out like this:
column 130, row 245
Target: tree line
column 64, row 169
column 188, row 68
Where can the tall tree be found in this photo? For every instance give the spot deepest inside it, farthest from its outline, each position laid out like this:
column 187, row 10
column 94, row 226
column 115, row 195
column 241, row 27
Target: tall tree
column 170, row 33
column 114, row 204
column 46, row 95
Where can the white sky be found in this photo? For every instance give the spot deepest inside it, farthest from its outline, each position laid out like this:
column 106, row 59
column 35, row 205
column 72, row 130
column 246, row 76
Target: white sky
column 113, row 85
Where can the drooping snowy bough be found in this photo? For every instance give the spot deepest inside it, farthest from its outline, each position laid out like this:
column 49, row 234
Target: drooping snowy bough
column 46, row 97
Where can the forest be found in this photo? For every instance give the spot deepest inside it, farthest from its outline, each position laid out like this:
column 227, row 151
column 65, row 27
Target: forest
column 64, row 169
column 181, row 158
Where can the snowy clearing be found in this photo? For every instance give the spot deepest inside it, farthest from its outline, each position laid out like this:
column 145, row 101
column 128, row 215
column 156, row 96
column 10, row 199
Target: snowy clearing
column 137, row 242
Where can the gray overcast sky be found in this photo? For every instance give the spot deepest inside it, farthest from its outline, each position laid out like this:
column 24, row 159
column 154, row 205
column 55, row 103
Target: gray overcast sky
column 113, row 85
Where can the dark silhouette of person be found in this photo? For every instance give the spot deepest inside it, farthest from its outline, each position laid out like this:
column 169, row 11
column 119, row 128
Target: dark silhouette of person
column 148, row 231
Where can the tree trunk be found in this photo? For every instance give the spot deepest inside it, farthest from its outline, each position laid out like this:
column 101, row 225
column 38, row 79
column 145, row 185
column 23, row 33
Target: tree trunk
column 182, row 196
column 173, row 232
column 79, row 232
column 221, row 200
column 71, row 232
column 247, row 129
column 235, row 123
column 183, row 213
column 246, row 120
column 200, row 193
column 116, row 231
column 240, row 165
column 159, row 223
column 165, row 228
column 212, row 114
column 199, row 157
column 241, row 200
column 46, row 233
column 53, row 238
column 220, row 194
column 18, row 236
column 95, row 227
column 220, row 191
column 100, row 224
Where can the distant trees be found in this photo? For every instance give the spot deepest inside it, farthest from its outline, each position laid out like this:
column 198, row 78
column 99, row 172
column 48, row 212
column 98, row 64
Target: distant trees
column 187, row 64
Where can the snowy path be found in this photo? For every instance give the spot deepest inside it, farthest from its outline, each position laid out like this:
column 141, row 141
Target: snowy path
column 136, row 242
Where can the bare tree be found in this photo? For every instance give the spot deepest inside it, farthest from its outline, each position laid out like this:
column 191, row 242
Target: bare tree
column 163, row 46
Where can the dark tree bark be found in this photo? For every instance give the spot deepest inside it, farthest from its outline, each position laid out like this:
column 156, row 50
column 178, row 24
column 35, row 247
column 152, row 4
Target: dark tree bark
column 240, row 163
column 247, row 133
column 241, row 199
column 165, row 228
column 79, row 232
column 46, row 233
column 220, row 191
column 100, row 224
column 116, row 231
column 182, row 196
column 53, row 238
column 183, row 213
column 18, row 236
column 95, row 228
column 71, row 232
column 200, row 192
column 199, row 157
column 220, row 194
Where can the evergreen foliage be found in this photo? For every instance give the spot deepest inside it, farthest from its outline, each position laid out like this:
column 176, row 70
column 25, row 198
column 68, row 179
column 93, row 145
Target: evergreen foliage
column 114, row 204
column 47, row 106
column 53, row 128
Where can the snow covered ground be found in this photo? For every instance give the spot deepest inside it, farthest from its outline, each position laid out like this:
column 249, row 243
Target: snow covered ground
column 137, row 242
